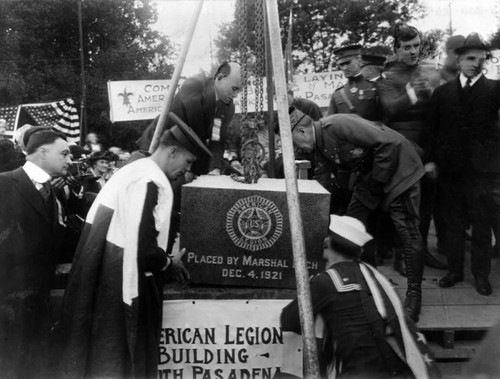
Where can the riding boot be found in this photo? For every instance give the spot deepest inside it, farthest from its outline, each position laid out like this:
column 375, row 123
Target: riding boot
column 414, row 271
column 399, row 262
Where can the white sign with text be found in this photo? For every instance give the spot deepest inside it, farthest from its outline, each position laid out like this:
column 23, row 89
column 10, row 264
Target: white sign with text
column 226, row 339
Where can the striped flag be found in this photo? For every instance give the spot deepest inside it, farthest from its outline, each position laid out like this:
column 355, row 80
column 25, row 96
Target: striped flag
column 59, row 115
column 9, row 114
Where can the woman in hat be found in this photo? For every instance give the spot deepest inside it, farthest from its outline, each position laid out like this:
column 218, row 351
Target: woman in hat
column 99, row 166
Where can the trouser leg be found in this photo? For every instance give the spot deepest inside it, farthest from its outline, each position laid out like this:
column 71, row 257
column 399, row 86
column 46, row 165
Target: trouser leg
column 484, row 212
column 360, row 211
column 404, row 212
column 453, row 207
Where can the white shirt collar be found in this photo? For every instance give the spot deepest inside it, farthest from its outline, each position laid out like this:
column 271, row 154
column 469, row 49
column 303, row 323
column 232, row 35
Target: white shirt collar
column 35, row 173
column 463, row 79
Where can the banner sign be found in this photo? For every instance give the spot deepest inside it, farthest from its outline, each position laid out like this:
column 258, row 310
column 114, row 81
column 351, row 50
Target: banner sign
column 226, row 339
column 492, row 67
column 134, row 100
column 143, row 99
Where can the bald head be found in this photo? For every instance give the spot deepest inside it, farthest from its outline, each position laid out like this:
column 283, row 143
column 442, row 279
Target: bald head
column 227, row 81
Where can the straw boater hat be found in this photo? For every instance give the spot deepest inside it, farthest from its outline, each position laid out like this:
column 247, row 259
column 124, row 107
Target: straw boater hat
column 350, row 229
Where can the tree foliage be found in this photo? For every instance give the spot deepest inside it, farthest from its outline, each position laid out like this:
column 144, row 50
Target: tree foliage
column 40, row 59
column 319, row 27
column 495, row 40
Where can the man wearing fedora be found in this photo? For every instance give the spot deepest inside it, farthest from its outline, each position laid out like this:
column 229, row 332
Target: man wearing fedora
column 388, row 171
column 353, row 305
column 113, row 301
column 465, row 156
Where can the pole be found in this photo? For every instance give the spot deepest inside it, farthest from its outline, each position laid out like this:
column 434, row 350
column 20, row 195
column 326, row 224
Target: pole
column 270, row 102
column 451, row 25
column 311, row 369
column 83, row 116
column 175, row 80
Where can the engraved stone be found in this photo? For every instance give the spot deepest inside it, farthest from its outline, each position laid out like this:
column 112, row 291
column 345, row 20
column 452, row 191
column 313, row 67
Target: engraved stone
column 239, row 234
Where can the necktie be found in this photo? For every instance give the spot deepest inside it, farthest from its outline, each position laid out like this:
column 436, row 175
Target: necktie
column 45, row 191
column 466, row 90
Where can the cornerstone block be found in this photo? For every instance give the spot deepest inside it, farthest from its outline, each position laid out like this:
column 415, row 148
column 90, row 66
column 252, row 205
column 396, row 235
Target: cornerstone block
column 239, row 234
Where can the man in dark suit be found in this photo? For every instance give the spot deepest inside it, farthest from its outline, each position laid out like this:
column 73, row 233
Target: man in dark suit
column 388, row 173
column 30, row 225
column 465, row 140
column 197, row 103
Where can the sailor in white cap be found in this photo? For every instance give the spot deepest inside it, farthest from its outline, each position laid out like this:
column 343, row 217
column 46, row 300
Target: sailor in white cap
column 354, row 306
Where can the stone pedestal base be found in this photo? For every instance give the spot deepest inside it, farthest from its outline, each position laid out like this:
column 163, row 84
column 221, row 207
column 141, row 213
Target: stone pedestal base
column 239, row 234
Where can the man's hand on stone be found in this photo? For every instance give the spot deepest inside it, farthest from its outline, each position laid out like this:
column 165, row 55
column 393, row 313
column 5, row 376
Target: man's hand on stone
column 431, row 170
column 215, row 171
column 181, row 274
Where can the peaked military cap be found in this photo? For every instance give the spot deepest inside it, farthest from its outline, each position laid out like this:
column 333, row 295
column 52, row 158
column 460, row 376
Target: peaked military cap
column 472, row 41
column 187, row 137
column 345, row 53
column 298, row 117
column 372, row 60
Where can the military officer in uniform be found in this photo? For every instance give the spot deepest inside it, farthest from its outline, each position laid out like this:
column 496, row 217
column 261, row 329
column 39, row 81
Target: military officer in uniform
column 388, row 170
column 372, row 67
column 358, row 95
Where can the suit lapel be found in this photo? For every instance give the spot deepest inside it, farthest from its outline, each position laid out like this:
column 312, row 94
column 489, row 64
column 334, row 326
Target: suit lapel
column 209, row 102
column 27, row 189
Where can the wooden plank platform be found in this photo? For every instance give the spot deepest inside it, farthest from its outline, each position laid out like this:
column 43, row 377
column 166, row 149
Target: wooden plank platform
column 456, row 308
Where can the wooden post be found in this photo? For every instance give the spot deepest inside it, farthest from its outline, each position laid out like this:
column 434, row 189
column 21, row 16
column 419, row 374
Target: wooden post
column 270, row 95
column 311, row 369
column 175, row 80
column 83, row 114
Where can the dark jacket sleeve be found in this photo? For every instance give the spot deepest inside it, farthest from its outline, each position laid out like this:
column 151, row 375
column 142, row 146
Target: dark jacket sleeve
column 187, row 104
column 430, row 132
column 150, row 257
column 332, row 107
column 394, row 98
column 322, row 292
column 364, row 133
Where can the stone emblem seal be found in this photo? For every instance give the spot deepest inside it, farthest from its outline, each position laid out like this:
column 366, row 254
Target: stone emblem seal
column 254, row 223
